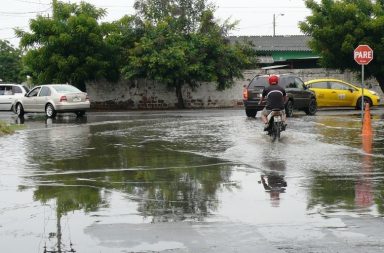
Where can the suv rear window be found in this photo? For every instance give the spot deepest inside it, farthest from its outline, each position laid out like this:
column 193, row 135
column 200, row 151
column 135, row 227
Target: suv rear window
column 259, row 81
column 285, row 81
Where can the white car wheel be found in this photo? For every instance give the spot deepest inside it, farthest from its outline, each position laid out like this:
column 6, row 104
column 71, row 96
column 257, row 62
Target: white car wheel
column 50, row 111
column 19, row 110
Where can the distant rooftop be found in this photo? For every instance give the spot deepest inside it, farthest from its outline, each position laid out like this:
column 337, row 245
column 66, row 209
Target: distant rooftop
column 276, row 43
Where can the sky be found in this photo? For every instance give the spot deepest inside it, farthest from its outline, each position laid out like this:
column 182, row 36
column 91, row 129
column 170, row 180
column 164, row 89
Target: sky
column 255, row 16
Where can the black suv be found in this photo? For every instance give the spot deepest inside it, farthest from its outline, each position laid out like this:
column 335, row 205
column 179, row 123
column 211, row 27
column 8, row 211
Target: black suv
column 299, row 96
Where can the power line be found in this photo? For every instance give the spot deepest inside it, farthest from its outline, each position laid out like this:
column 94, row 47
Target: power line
column 23, row 13
column 261, row 7
column 116, row 6
column 9, row 38
column 31, row 2
column 263, row 25
column 10, row 28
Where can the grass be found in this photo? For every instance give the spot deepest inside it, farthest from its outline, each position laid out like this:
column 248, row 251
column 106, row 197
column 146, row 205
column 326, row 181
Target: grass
column 7, row 128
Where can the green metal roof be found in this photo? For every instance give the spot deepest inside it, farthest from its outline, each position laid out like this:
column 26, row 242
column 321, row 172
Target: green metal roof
column 290, row 55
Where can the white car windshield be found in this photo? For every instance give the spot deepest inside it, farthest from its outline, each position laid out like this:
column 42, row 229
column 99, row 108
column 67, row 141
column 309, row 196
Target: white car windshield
column 66, row 89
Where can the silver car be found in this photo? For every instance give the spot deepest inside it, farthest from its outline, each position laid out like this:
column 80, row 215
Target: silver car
column 53, row 98
column 9, row 92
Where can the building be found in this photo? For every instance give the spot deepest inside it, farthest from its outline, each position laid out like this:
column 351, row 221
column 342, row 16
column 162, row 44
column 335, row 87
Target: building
column 290, row 52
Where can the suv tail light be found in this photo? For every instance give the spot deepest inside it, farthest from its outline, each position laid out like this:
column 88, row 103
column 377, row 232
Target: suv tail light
column 87, row 97
column 63, row 98
column 245, row 94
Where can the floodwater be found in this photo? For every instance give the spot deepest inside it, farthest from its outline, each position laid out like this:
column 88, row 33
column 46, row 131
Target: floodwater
column 192, row 181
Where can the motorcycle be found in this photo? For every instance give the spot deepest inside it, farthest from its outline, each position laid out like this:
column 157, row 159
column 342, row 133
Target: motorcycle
column 275, row 124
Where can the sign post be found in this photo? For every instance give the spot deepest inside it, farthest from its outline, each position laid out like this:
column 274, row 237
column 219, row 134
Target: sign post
column 363, row 55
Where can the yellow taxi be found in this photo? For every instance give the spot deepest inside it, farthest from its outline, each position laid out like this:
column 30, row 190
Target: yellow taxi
column 334, row 92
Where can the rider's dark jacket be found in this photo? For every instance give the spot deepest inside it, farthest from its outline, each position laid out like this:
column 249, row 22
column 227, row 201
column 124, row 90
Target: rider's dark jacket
column 274, row 95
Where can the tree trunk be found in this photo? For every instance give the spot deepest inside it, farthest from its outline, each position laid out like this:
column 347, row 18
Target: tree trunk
column 179, row 95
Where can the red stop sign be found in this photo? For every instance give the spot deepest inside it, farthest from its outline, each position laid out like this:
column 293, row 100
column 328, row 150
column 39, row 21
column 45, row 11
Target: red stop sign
column 363, row 54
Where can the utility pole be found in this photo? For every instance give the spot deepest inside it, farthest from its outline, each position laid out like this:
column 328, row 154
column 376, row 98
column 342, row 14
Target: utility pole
column 274, row 22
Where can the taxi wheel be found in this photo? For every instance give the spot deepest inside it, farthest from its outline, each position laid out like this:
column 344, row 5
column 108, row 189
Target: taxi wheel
column 312, row 107
column 366, row 100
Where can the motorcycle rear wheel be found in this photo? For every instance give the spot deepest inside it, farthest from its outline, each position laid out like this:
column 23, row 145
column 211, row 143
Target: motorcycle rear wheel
column 276, row 129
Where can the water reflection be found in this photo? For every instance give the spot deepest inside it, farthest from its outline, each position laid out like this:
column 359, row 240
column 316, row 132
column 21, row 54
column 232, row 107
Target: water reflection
column 168, row 185
column 357, row 185
column 342, row 130
column 104, row 176
column 273, row 178
column 363, row 188
column 65, row 119
column 34, row 120
column 80, row 167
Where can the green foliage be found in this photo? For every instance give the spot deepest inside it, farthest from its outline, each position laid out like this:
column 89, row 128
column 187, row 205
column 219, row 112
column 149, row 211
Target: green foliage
column 10, row 63
column 70, row 46
column 86, row 181
column 338, row 27
column 174, row 42
column 122, row 36
column 71, row 198
column 336, row 193
column 182, row 44
column 187, row 13
column 6, row 128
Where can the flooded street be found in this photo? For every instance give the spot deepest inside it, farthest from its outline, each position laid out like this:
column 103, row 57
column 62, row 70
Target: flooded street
column 192, row 181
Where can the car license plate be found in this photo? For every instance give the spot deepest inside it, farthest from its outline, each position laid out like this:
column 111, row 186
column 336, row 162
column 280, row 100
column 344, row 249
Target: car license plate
column 76, row 99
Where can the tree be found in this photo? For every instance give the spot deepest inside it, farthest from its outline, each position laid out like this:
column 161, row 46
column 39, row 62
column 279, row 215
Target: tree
column 10, row 63
column 187, row 12
column 338, row 27
column 70, row 46
column 122, row 35
column 182, row 44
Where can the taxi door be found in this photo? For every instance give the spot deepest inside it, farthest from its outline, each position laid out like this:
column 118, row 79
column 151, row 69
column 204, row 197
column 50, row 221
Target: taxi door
column 341, row 94
column 322, row 92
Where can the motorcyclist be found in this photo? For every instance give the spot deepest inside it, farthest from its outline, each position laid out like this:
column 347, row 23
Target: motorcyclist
column 276, row 98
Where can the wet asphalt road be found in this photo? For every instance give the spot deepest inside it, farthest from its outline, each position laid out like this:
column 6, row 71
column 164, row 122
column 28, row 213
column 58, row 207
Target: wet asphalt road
column 192, row 181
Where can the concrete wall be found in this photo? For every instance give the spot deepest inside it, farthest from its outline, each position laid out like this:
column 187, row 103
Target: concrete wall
column 144, row 94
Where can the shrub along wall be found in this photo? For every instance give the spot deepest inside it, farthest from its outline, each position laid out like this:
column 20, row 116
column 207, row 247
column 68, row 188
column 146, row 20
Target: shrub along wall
column 145, row 94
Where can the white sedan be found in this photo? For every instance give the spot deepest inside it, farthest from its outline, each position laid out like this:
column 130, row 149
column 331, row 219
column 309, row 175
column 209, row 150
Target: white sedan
column 9, row 93
column 51, row 99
